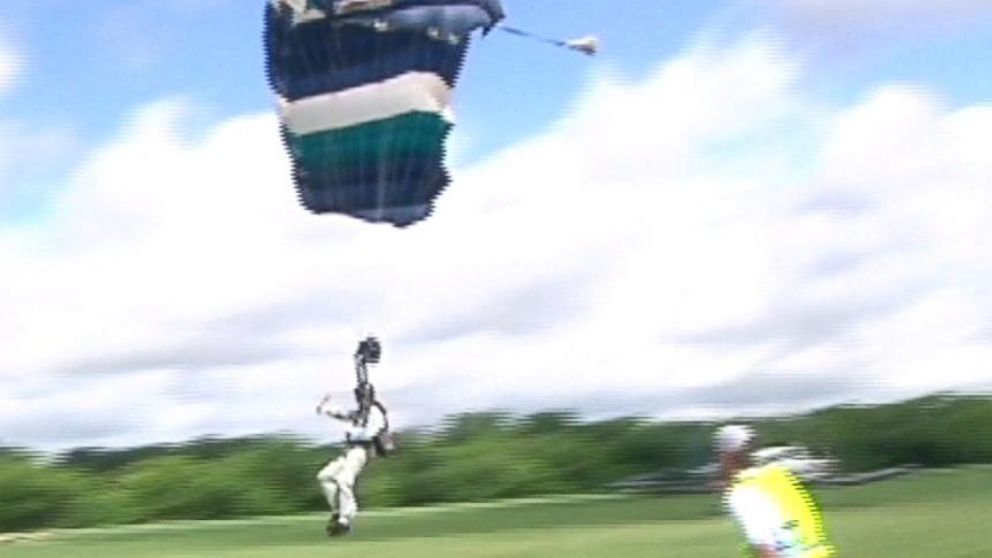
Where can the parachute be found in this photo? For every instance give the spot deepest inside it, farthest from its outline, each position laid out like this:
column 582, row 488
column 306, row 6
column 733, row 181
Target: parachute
column 364, row 90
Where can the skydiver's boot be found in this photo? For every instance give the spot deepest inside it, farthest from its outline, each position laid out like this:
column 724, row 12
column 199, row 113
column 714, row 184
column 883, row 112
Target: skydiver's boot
column 338, row 529
column 332, row 525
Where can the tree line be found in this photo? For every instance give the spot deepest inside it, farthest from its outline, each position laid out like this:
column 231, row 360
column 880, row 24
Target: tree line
column 469, row 457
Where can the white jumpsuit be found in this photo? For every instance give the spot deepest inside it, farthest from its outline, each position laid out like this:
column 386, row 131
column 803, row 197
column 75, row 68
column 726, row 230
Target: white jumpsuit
column 337, row 478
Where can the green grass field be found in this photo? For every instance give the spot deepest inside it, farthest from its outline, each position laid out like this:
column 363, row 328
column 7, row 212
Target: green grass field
column 926, row 515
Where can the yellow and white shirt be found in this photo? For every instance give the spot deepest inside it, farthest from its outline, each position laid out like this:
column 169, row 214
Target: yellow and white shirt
column 773, row 509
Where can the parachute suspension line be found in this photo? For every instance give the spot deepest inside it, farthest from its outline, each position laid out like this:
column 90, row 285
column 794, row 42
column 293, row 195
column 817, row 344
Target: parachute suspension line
column 586, row 45
column 369, row 352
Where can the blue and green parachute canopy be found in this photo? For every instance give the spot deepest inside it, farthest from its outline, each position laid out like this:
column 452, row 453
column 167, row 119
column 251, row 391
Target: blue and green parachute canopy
column 364, row 91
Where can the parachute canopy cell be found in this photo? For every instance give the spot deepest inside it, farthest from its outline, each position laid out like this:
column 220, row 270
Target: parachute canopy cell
column 364, row 90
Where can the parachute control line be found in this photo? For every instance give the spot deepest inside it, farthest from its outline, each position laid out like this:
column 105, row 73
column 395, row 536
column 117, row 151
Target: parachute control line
column 588, row 45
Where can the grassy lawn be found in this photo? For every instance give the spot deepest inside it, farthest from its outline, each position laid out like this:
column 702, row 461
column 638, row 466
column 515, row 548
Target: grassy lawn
column 932, row 515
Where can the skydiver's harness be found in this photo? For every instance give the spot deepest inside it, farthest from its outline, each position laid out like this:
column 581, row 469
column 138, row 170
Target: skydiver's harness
column 382, row 443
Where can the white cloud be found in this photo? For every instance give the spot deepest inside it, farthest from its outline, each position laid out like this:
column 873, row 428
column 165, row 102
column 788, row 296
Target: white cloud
column 11, row 70
column 667, row 249
column 11, row 65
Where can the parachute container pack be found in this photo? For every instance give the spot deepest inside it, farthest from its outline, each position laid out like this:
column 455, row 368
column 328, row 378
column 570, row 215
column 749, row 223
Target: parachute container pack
column 364, row 90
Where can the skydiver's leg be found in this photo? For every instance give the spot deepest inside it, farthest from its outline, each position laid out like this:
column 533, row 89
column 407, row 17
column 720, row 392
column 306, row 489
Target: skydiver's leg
column 354, row 462
column 328, row 482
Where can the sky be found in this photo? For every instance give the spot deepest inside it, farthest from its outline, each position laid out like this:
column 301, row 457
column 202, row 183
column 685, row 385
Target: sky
column 739, row 208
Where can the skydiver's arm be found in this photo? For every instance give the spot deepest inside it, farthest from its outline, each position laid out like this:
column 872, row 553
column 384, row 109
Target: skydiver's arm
column 323, row 409
column 339, row 415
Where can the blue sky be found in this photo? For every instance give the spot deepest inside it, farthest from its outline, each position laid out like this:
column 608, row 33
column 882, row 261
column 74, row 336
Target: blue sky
column 114, row 55
column 739, row 207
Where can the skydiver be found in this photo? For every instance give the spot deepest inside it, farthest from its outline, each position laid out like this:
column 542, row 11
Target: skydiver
column 365, row 439
column 773, row 510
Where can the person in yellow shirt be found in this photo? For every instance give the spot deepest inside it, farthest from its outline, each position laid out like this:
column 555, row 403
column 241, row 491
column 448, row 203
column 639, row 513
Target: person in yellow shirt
column 776, row 514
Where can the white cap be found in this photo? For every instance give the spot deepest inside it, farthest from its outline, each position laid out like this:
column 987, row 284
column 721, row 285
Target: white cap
column 733, row 438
